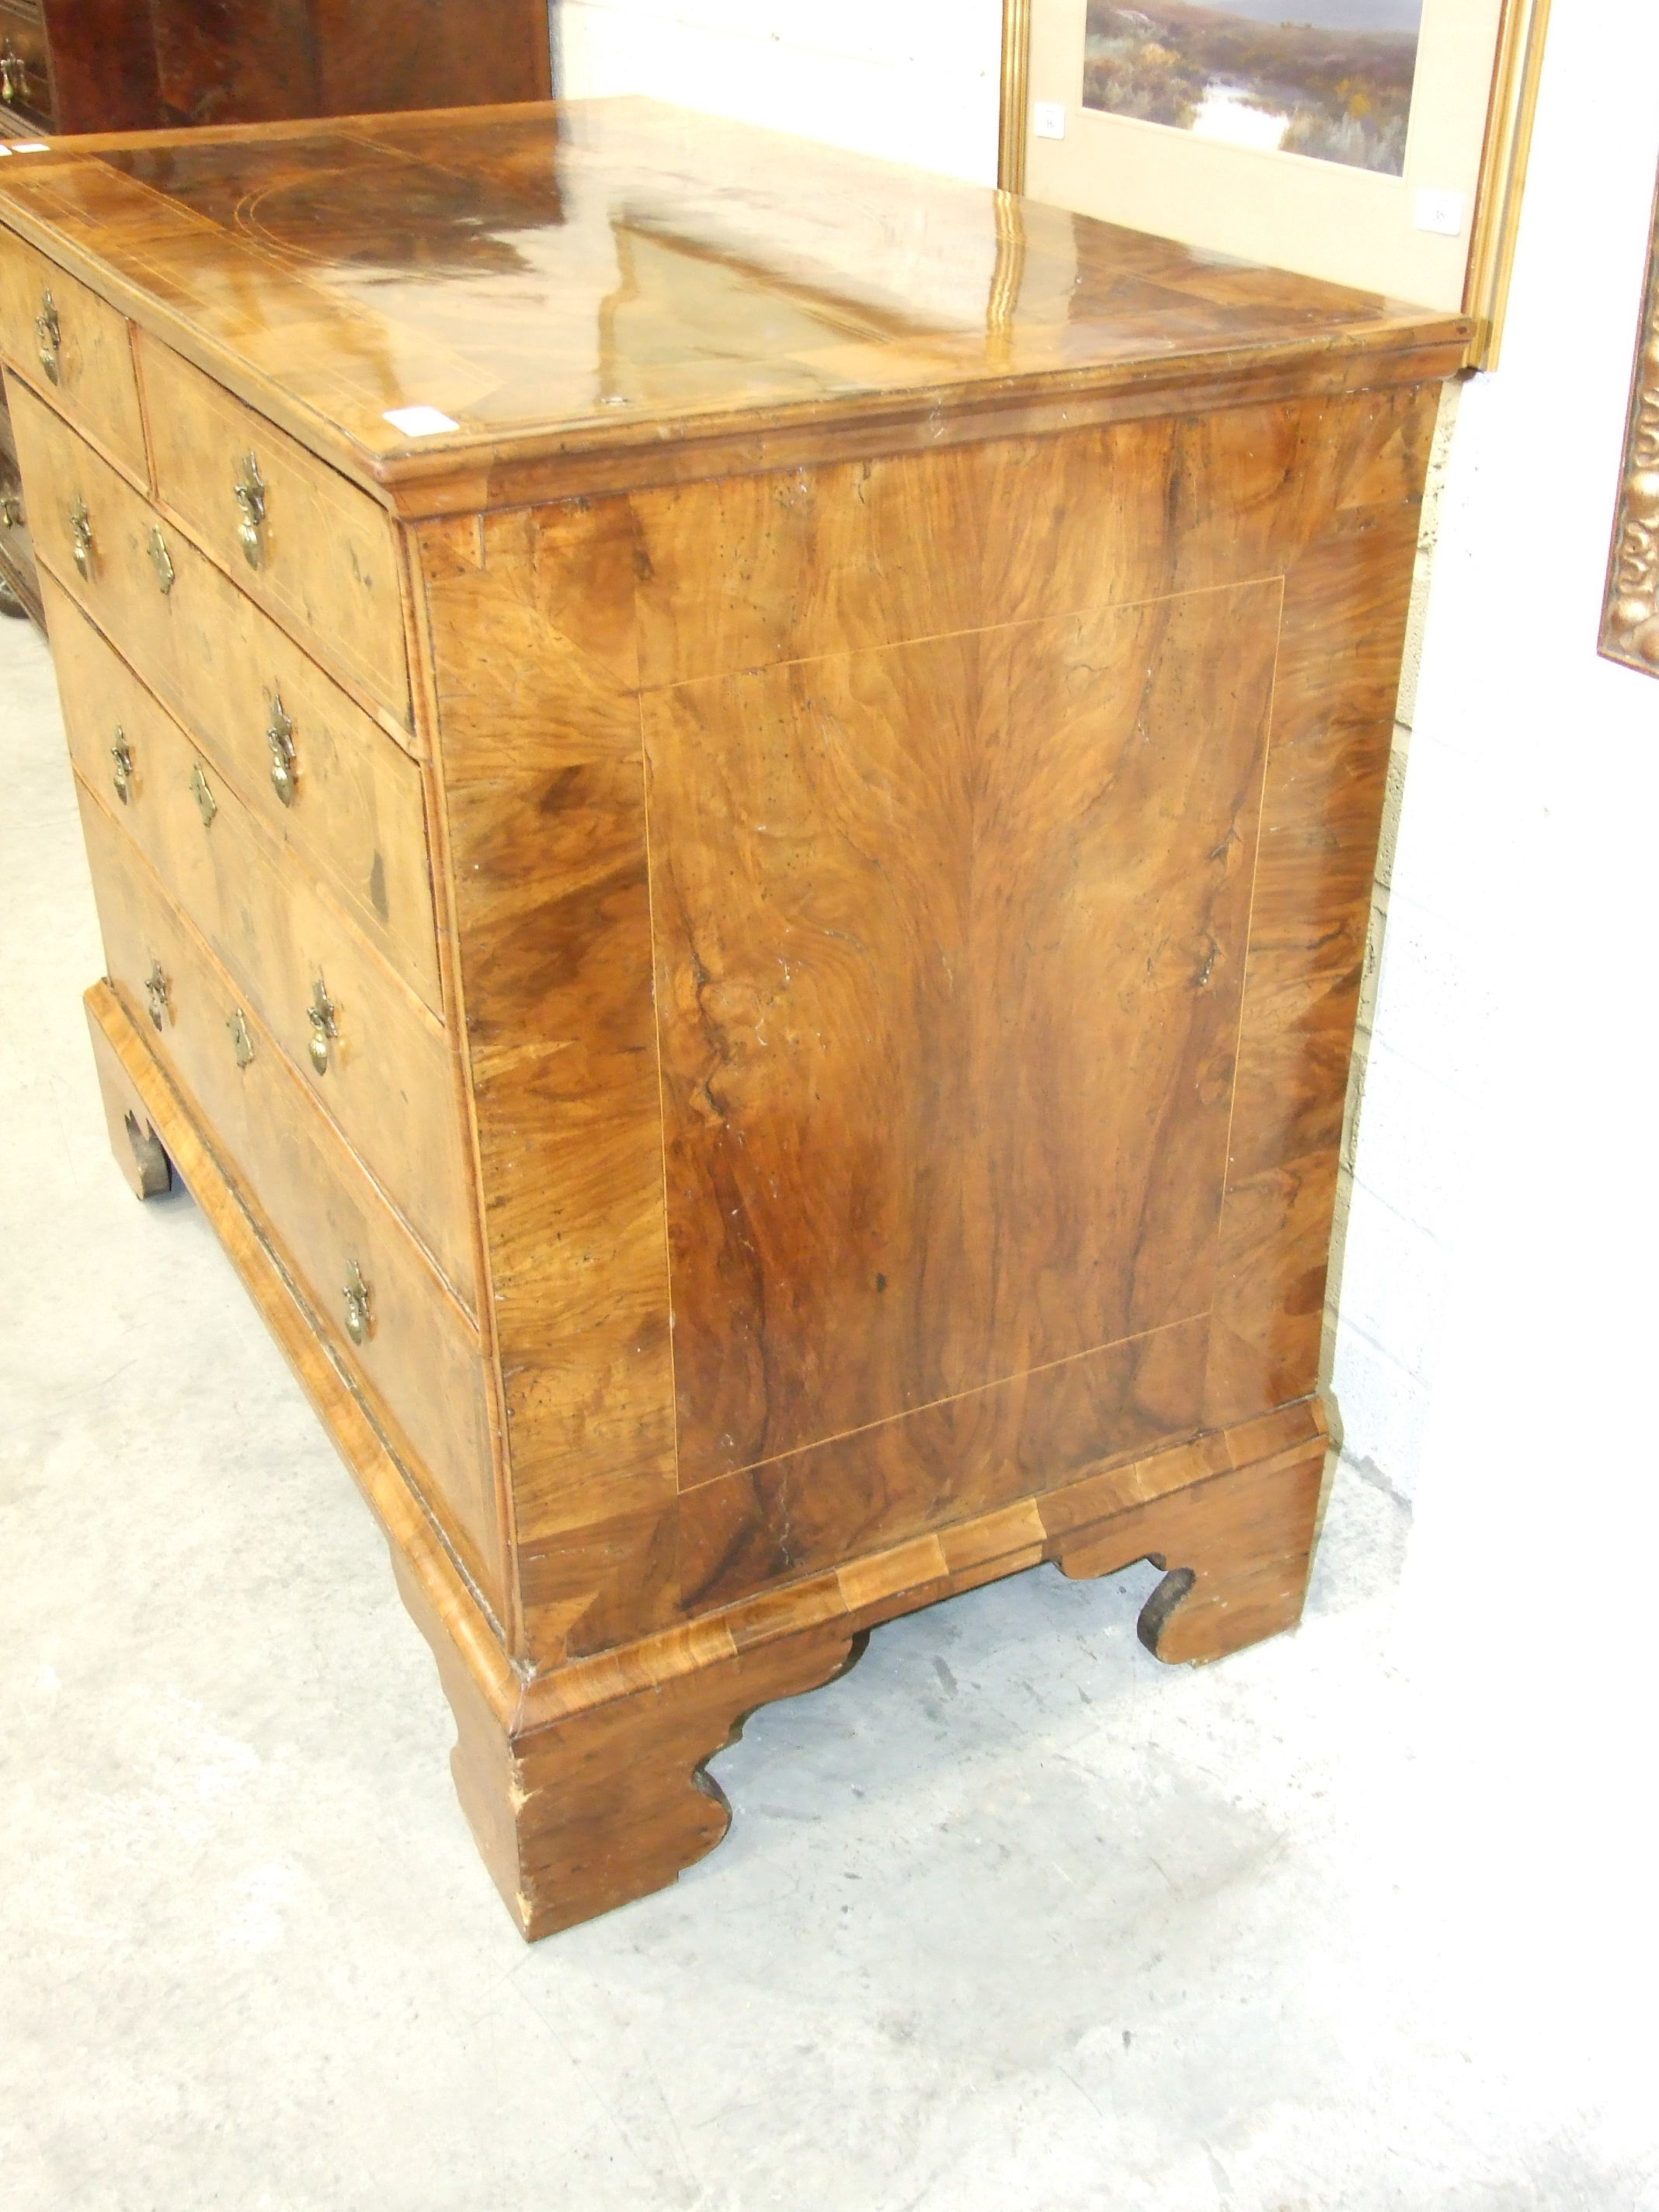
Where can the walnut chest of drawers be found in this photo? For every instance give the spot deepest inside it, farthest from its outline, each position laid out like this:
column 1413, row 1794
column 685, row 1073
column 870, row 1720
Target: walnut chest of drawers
column 732, row 794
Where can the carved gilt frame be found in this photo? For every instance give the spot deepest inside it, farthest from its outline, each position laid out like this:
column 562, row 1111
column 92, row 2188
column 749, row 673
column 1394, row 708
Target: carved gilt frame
column 1630, row 612
column 1496, row 218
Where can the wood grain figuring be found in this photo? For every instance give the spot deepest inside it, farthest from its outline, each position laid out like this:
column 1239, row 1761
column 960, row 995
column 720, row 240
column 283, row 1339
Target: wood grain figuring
column 386, row 1079
column 844, row 949
column 333, row 275
column 421, row 1363
column 96, row 382
column 357, row 816
column 908, row 1477
column 532, row 645
column 327, row 564
column 1346, row 604
column 886, row 888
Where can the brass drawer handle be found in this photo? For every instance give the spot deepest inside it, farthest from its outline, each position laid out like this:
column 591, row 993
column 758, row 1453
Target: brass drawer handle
column 49, row 337
column 161, row 560
column 121, row 753
column 284, row 764
column 359, row 1316
column 159, row 992
column 202, row 792
column 11, row 513
column 325, row 1025
column 81, row 533
column 240, row 1043
column 249, row 487
column 14, row 75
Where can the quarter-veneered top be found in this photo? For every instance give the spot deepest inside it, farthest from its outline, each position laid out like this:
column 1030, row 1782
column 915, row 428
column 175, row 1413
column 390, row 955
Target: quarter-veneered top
column 570, row 280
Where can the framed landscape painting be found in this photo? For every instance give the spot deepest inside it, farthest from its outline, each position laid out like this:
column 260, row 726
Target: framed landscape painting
column 1376, row 142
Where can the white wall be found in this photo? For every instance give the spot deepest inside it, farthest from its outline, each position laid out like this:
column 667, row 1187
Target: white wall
column 911, row 80
column 1503, row 1159
column 1501, row 1176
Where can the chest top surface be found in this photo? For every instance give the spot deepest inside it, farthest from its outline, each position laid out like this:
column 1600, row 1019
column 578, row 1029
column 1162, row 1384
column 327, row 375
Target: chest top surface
column 561, row 278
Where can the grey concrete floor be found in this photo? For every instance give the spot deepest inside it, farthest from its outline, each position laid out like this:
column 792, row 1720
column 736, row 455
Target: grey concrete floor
column 1011, row 1917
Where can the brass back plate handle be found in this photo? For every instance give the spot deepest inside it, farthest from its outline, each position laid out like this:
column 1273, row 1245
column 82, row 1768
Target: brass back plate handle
column 284, row 763
column 161, row 560
column 249, row 487
column 49, row 337
column 159, row 993
column 359, row 1315
column 81, row 536
column 325, row 1025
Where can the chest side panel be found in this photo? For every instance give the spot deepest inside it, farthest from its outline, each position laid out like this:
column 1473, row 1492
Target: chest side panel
column 927, row 799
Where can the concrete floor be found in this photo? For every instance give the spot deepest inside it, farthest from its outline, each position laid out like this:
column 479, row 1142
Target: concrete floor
column 1011, row 1918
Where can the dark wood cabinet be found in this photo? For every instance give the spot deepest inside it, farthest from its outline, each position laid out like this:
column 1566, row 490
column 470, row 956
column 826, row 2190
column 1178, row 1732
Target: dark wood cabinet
column 83, row 65
column 74, row 66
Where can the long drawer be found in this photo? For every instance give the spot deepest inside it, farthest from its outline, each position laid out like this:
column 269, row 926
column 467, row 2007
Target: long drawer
column 376, row 1060
column 320, row 773
column 292, row 531
column 384, row 1313
column 16, row 551
column 57, row 334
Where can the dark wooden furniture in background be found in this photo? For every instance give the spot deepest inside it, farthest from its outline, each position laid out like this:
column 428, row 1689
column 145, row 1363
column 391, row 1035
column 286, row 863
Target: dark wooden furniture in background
column 73, row 66
column 732, row 792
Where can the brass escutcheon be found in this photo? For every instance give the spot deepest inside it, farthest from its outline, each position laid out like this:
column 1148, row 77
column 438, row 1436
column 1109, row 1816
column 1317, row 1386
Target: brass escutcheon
column 240, row 1043
column 159, row 992
column 202, row 792
column 249, row 487
column 161, row 560
column 121, row 753
column 359, row 1320
column 49, row 337
column 80, row 532
column 284, row 764
column 324, row 1026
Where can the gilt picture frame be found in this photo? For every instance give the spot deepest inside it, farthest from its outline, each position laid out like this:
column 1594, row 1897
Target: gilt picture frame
column 1629, row 609
column 1381, row 143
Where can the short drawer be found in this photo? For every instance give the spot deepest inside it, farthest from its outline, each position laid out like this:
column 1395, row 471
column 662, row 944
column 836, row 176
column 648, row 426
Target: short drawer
column 376, row 1060
column 25, row 77
column 62, row 337
column 320, row 773
column 313, row 548
column 385, row 1314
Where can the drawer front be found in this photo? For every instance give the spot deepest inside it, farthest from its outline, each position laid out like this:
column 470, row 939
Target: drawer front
column 298, row 537
column 17, row 552
column 419, row 1361
column 336, row 788
column 376, row 1060
column 25, row 81
column 64, row 339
